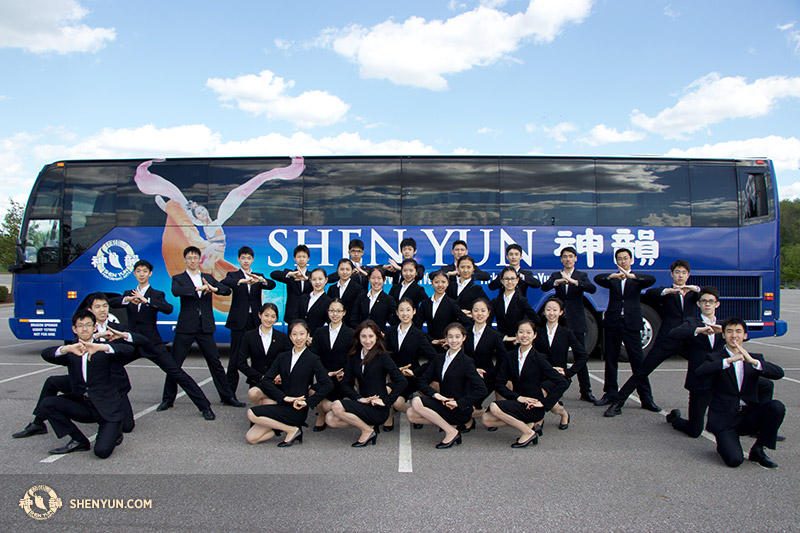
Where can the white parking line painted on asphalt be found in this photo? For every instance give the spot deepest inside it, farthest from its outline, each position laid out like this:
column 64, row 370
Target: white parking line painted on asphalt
column 136, row 416
column 775, row 346
column 404, row 450
column 29, row 374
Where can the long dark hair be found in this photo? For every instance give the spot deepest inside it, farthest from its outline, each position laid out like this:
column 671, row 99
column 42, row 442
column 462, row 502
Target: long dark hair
column 355, row 347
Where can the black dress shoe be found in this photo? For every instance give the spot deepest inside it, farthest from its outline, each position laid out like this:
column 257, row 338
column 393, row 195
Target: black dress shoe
column 533, row 440
column 493, row 428
column 388, row 428
column 566, row 425
column 588, row 397
column 30, row 430
column 208, row 414
column 757, row 454
column 466, row 429
column 120, row 437
column 72, row 446
column 233, row 402
column 444, row 445
column 780, row 438
column 317, row 428
column 673, row 415
column 298, row 438
column 613, row 410
column 416, row 426
column 163, row 406
column 605, row 400
column 651, row 406
column 370, row 440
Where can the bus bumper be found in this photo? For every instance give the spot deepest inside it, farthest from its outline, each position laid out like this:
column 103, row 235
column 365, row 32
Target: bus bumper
column 781, row 327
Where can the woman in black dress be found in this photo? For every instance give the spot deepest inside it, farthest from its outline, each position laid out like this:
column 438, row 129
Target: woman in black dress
column 463, row 289
column 368, row 365
column 487, row 352
column 511, row 306
column 526, row 369
column 375, row 304
column 460, row 385
column 297, row 369
column 440, row 310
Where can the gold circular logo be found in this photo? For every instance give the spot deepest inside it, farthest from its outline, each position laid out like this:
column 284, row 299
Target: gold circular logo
column 40, row 502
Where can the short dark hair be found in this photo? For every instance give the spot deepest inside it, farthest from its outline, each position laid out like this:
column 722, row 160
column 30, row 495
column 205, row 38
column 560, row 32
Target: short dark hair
column 95, row 296
column 527, row 321
column 409, row 301
column 570, row 249
column 513, row 246
column 356, row 243
column 408, row 241
column 269, row 305
column 680, row 263
column 344, row 261
column 191, row 250
column 301, row 248
column 245, row 250
column 457, row 242
column 377, row 268
column 298, row 322
column 439, row 272
column 143, row 263
column 620, row 250
column 319, row 269
column 484, row 301
column 82, row 314
column 465, row 258
column 408, row 261
column 708, row 289
column 734, row 321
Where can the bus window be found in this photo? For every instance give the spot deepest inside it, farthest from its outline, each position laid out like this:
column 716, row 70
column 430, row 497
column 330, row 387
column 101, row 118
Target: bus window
column 42, row 242
column 342, row 192
column 643, row 194
column 46, row 199
column 459, row 191
column 713, row 189
column 89, row 211
column 753, row 191
column 547, row 193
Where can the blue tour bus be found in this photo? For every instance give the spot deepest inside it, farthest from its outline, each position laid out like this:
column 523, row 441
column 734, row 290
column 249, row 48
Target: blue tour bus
column 87, row 222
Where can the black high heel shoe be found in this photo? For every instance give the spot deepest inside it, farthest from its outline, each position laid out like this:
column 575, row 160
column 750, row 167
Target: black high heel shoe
column 416, row 426
column 533, row 440
column 323, row 427
column 463, row 428
column 566, row 425
column 298, row 437
column 538, row 429
column 455, row 440
column 372, row 439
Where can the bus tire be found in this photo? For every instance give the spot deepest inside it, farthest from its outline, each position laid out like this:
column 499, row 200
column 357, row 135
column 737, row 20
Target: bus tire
column 652, row 323
column 592, row 332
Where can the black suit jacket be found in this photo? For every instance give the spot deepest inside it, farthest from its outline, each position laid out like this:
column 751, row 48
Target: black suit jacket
column 371, row 379
column 518, row 309
column 415, row 293
column 397, row 277
column 461, row 381
column 490, row 349
column 295, row 382
column 143, row 318
column 333, row 357
column 99, row 386
column 448, row 312
column 572, row 298
column 415, row 344
column 526, row 280
column 478, row 275
column 673, row 314
column 630, row 301
column 382, row 311
column 260, row 361
column 197, row 313
column 725, row 393
column 471, row 292
column 529, row 382
column 349, row 300
column 556, row 353
column 317, row 316
column 244, row 302
column 293, row 291
column 699, row 348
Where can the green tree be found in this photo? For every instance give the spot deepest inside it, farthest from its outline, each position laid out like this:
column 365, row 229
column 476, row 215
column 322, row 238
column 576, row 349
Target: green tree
column 790, row 222
column 790, row 263
column 9, row 232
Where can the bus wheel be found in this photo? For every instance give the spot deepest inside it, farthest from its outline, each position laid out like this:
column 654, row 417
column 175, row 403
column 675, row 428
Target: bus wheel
column 652, row 323
column 592, row 331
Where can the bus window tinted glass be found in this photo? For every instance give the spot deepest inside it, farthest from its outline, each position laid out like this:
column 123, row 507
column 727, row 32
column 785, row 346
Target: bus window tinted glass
column 713, row 189
column 89, row 211
column 560, row 193
column 343, row 192
column 252, row 193
column 46, row 201
column 753, row 189
column 642, row 194
column 456, row 191
column 42, row 241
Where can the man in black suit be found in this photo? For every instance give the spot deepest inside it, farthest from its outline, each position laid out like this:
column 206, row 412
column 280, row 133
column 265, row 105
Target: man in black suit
column 570, row 285
column 623, row 323
column 735, row 408
column 704, row 336
column 142, row 306
column 196, row 324
column 526, row 277
column 246, row 287
column 678, row 303
column 297, row 282
column 94, row 397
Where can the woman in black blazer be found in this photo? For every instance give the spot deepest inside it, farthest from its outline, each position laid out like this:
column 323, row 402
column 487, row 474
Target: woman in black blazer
column 554, row 343
column 408, row 287
column 297, row 369
column 460, row 387
column 487, row 353
column 315, row 314
column 447, row 312
column 406, row 354
column 261, row 346
column 518, row 308
column 347, row 290
column 526, row 369
column 463, row 289
column 333, row 356
column 369, row 365
column 375, row 304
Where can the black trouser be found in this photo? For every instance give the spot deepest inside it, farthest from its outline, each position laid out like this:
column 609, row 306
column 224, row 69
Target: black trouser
column 52, row 386
column 60, row 411
column 236, row 345
column 762, row 420
column 583, row 374
column 662, row 350
column 698, row 405
column 632, row 338
column 180, row 349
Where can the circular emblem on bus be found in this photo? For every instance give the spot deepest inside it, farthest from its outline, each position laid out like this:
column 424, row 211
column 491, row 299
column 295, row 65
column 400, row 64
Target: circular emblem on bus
column 115, row 260
column 40, row 502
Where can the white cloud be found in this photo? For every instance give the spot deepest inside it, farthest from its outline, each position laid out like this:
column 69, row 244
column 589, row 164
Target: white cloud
column 465, row 151
column 41, row 26
column 787, row 26
column 784, row 151
column 486, row 130
column 790, row 191
column 530, row 127
column 793, row 36
column 671, row 13
column 557, row 132
column 283, row 44
column 712, row 99
column 602, row 134
column 265, row 94
column 420, row 53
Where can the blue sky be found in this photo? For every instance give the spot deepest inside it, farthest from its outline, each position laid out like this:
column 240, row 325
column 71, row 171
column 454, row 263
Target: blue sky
column 105, row 79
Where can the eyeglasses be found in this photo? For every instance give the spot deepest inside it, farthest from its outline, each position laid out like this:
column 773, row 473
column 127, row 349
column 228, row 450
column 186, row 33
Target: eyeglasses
column 336, row 310
column 84, row 326
column 708, row 302
column 510, row 279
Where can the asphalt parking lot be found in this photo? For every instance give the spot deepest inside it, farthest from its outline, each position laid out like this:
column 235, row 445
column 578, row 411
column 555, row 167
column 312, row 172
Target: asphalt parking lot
column 629, row 473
